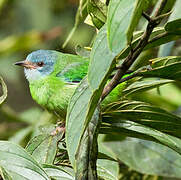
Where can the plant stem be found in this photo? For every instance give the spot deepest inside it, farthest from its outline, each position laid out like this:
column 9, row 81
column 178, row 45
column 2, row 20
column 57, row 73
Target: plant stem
column 153, row 22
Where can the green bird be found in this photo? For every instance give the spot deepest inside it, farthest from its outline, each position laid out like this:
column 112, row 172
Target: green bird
column 53, row 77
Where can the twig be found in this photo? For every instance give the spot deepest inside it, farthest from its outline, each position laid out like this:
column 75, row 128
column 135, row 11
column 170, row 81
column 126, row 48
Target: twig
column 153, row 22
column 146, row 16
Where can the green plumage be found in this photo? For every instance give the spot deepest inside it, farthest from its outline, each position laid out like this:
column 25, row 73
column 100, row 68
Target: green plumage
column 53, row 84
column 52, row 94
column 53, row 77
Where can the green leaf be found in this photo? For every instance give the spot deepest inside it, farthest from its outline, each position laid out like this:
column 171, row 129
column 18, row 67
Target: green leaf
column 173, row 25
column 162, row 39
column 146, row 156
column 107, row 169
column 97, row 11
column 100, row 66
column 123, row 17
column 85, row 98
column 174, row 22
column 15, row 160
column 103, row 151
column 87, row 153
column 4, row 90
column 4, row 174
column 144, row 114
column 164, row 61
column 145, row 132
column 43, row 147
column 118, row 21
column 165, row 50
column 104, row 156
column 57, row 172
column 76, row 116
column 166, row 67
column 144, row 85
column 140, row 6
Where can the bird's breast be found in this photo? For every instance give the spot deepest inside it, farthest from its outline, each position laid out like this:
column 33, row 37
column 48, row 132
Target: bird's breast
column 52, row 95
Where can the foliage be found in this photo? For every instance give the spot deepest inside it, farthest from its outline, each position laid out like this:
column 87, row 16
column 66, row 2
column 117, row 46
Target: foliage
column 123, row 120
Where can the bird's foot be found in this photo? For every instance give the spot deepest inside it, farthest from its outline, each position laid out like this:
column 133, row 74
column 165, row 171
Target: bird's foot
column 59, row 129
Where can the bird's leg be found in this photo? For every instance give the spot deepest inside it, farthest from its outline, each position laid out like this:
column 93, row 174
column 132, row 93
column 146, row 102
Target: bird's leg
column 59, row 129
column 61, row 155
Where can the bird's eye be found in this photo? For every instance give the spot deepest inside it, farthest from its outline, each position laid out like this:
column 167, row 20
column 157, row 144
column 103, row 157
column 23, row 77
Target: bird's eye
column 40, row 64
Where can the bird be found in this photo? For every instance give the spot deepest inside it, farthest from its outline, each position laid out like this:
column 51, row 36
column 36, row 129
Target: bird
column 53, row 77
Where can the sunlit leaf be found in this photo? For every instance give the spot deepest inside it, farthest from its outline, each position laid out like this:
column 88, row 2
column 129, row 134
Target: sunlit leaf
column 166, row 67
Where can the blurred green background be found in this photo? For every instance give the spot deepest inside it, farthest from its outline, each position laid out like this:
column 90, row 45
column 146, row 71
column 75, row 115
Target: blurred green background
column 25, row 26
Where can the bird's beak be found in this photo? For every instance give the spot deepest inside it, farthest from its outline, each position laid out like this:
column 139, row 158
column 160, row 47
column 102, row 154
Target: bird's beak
column 20, row 63
column 26, row 64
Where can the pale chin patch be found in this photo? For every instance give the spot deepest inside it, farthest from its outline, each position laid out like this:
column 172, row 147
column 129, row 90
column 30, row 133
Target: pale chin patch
column 32, row 74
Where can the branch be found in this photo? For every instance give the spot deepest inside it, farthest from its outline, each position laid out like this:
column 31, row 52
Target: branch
column 153, row 22
column 146, row 16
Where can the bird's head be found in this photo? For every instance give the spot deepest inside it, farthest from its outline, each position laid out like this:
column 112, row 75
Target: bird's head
column 38, row 64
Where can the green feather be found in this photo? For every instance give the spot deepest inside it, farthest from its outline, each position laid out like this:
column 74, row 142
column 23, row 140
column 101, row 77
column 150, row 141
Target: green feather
column 53, row 92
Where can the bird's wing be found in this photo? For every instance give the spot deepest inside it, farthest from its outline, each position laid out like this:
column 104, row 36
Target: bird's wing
column 74, row 72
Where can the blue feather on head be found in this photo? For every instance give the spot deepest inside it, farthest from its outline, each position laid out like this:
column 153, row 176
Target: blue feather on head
column 43, row 61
